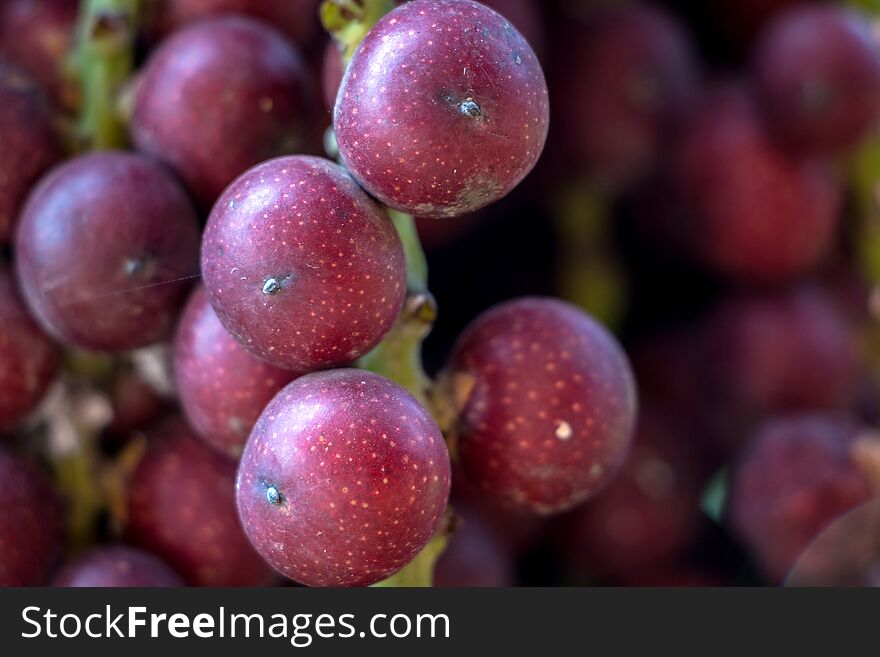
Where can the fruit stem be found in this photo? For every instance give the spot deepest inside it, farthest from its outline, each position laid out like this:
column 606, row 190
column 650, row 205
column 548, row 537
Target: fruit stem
column 588, row 273
column 104, row 60
column 348, row 21
column 416, row 262
column 399, row 355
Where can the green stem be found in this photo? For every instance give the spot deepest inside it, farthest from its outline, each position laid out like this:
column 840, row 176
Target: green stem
column 348, row 21
column 416, row 262
column 588, row 272
column 399, row 355
column 420, row 571
column 104, row 60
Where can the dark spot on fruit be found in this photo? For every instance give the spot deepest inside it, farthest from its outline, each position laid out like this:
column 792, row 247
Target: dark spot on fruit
column 469, row 107
column 273, row 496
column 274, row 285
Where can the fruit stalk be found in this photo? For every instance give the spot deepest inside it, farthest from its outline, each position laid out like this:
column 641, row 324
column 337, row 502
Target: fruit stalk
column 398, row 356
column 104, row 60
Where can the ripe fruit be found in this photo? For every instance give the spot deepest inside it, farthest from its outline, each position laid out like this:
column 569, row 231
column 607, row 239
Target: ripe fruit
column 443, row 108
column 136, row 405
column 475, row 556
column 182, row 508
column 28, row 359
column 104, row 248
column 343, row 480
column 798, row 475
column 30, row 145
column 117, row 566
column 759, row 214
column 298, row 19
column 847, row 553
column 775, row 351
column 223, row 387
column 31, row 525
column 546, row 404
column 649, row 515
column 627, row 80
column 301, row 266
column 818, row 77
column 38, row 35
column 217, row 98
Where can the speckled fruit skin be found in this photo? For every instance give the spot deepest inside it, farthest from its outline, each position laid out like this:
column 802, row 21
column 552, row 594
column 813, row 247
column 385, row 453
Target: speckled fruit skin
column 223, row 387
column 32, row 527
column 117, row 566
column 28, row 358
column 759, row 215
column 30, row 145
column 443, row 108
column 217, row 98
column 298, row 19
column 182, row 508
column 817, row 71
column 360, row 475
column 105, row 248
column 550, row 415
column 38, row 35
column 797, row 475
column 625, row 82
column 301, row 266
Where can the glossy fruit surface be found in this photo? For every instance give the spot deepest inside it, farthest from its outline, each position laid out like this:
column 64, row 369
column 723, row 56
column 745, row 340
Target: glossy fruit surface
column 818, row 76
column 343, row 480
column 443, row 108
column 223, row 388
column 141, row 235
column 117, row 566
column 301, row 266
column 32, row 525
column 28, row 358
column 550, row 404
column 182, row 508
column 30, row 145
column 217, row 98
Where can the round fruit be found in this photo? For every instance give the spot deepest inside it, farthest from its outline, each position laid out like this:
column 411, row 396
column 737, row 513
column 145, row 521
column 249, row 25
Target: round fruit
column 344, row 479
column 818, row 77
column 28, row 359
column 30, row 145
column 649, row 516
column 758, row 214
column 797, row 476
column 627, row 80
column 217, row 98
column 223, row 387
column 790, row 350
column 547, row 404
column 302, row 267
column 443, row 108
column 38, row 35
column 117, row 566
column 105, row 247
column 182, row 508
column 32, row 527
column 298, row 19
